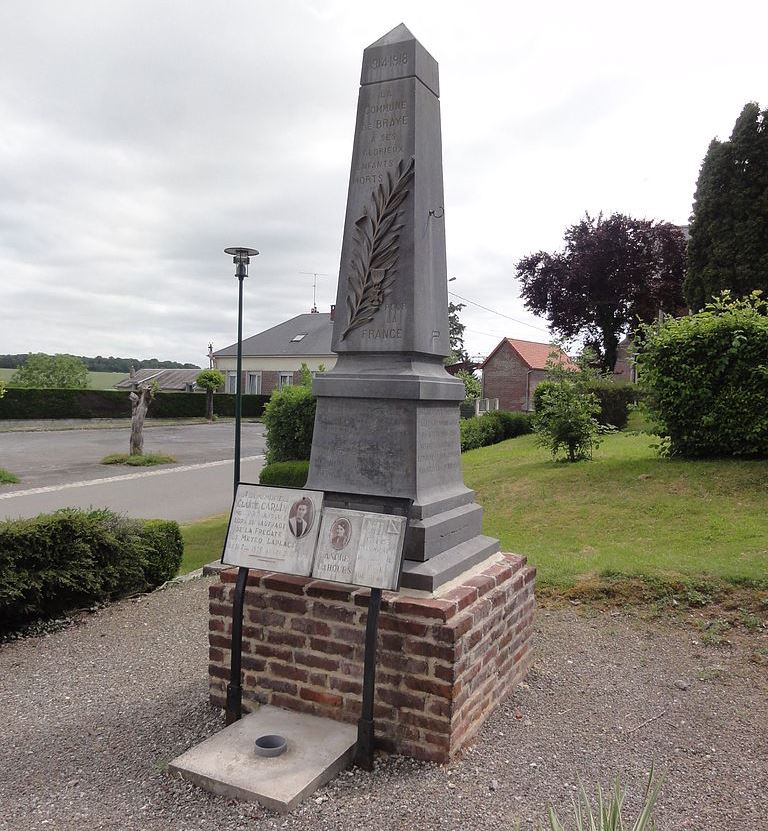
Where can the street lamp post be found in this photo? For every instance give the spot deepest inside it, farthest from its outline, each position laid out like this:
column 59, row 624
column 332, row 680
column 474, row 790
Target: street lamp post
column 241, row 257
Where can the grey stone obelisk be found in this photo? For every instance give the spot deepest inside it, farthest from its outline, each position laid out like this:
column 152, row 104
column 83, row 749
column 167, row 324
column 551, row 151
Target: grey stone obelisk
column 387, row 419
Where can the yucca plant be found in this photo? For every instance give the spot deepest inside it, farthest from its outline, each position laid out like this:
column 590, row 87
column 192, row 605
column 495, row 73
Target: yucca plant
column 607, row 815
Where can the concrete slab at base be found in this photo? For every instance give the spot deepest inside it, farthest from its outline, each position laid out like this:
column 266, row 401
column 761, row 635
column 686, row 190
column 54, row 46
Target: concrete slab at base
column 226, row 764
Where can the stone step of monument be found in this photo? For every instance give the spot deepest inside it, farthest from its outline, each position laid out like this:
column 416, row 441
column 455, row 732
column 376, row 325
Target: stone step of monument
column 427, row 538
column 435, row 501
column 443, row 568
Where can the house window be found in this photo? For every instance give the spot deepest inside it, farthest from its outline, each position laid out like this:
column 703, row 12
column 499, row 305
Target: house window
column 297, row 338
column 231, row 385
column 286, row 379
column 253, row 383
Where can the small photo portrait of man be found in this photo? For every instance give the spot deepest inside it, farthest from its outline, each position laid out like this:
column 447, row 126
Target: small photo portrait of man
column 341, row 531
column 300, row 517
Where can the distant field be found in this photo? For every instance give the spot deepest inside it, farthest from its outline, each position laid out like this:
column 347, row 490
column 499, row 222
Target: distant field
column 96, row 380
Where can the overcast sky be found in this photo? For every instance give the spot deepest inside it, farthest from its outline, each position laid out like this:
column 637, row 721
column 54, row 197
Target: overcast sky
column 138, row 138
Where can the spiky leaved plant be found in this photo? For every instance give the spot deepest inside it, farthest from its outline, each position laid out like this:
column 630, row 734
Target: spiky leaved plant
column 607, row 815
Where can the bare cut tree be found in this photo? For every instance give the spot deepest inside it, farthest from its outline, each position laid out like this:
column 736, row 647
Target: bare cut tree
column 140, row 399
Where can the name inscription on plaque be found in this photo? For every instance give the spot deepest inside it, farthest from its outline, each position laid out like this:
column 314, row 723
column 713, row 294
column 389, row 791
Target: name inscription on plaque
column 288, row 531
column 273, row 529
column 361, row 548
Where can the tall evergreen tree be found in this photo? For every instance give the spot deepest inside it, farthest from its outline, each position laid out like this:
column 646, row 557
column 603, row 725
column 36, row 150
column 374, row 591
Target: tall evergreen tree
column 728, row 248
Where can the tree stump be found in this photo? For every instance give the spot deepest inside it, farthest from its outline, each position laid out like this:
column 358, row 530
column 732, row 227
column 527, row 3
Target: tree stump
column 139, row 404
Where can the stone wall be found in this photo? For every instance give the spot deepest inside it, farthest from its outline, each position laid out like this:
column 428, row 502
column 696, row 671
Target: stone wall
column 444, row 661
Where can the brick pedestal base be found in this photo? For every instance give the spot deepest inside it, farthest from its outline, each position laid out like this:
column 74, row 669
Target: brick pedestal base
column 444, row 661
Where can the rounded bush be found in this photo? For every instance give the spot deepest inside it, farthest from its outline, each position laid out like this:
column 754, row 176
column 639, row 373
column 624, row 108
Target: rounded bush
column 290, row 474
column 290, row 420
column 706, row 378
column 56, row 563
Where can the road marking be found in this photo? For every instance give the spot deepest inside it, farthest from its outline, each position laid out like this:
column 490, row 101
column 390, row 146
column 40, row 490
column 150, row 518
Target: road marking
column 124, row 478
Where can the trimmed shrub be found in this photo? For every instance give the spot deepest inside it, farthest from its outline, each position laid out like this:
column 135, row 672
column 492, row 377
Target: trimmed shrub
column 164, row 550
column 491, row 428
column 289, row 417
column 60, row 403
column 290, row 474
column 706, row 378
column 615, row 400
column 466, row 409
column 56, row 563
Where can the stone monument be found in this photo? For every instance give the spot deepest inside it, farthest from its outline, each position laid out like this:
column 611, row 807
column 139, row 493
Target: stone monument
column 387, row 419
column 387, row 428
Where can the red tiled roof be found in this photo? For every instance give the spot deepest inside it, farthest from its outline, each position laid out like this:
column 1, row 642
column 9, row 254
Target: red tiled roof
column 533, row 354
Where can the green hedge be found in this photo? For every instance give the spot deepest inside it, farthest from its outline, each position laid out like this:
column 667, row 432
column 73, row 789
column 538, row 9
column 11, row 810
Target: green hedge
column 290, row 474
column 59, row 403
column 56, row 563
column 706, row 378
column 492, row 427
column 615, row 400
column 289, row 418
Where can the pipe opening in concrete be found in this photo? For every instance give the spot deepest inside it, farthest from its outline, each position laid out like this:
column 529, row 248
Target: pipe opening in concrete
column 271, row 745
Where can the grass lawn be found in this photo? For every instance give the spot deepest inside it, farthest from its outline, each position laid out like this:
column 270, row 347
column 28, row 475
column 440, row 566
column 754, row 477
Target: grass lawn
column 145, row 460
column 203, row 542
column 625, row 513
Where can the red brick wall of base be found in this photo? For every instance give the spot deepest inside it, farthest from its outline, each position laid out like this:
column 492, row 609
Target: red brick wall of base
column 444, row 661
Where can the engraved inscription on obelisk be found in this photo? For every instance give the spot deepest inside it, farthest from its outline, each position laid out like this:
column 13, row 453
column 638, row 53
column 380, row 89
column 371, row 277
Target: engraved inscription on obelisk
column 387, row 422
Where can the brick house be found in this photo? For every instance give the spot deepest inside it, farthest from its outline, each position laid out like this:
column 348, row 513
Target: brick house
column 273, row 358
column 514, row 368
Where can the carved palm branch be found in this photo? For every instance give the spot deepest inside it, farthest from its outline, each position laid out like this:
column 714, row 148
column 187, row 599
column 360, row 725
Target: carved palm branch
column 376, row 247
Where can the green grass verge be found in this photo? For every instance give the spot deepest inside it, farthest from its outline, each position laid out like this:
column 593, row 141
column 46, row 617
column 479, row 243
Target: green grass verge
column 626, row 512
column 7, row 478
column 147, row 460
column 203, row 542
column 629, row 523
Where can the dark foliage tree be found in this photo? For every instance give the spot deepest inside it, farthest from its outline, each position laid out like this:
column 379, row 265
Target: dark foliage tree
column 100, row 364
column 612, row 274
column 728, row 248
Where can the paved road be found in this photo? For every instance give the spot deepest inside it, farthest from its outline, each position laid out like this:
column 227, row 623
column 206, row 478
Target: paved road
column 61, row 469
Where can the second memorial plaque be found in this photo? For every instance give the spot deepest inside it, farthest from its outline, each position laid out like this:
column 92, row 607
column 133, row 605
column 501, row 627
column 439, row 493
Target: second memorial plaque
column 361, row 548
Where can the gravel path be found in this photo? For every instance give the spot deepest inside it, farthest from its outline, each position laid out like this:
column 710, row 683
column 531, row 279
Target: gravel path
column 92, row 714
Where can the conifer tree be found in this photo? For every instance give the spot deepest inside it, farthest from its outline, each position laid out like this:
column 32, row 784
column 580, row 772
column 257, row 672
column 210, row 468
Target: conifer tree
column 728, row 248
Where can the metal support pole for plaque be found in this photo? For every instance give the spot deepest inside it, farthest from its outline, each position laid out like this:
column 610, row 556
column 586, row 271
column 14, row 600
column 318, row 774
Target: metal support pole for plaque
column 241, row 258
column 365, row 735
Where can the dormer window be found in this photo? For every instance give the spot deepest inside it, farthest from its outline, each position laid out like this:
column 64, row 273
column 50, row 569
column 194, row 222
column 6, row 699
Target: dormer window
column 297, row 338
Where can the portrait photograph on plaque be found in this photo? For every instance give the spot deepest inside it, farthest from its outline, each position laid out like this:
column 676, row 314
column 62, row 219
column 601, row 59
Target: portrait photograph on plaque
column 360, row 547
column 273, row 529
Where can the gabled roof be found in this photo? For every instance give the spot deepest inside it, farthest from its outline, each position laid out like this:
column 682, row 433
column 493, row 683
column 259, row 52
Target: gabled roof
column 532, row 353
column 167, row 379
column 282, row 339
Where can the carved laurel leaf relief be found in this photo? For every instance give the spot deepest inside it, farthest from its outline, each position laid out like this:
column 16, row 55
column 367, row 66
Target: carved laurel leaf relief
column 376, row 245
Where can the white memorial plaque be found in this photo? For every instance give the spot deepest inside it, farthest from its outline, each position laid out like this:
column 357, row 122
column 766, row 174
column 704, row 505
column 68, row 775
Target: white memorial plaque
column 273, row 529
column 361, row 548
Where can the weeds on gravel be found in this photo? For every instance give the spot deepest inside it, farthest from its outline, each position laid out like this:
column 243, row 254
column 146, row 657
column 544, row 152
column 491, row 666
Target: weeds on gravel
column 146, row 460
column 607, row 815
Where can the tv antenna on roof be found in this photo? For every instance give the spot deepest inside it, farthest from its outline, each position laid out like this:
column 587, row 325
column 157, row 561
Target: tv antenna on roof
column 315, row 275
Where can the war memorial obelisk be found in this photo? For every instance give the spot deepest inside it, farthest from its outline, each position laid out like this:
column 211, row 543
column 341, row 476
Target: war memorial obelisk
column 387, row 421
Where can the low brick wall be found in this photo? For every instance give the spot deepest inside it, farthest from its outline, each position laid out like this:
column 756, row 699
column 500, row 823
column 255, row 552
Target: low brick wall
column 443, row 661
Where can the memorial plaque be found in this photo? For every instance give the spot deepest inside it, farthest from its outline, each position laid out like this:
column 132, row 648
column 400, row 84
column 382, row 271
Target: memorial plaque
column 361, row 548
column 273, row 529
